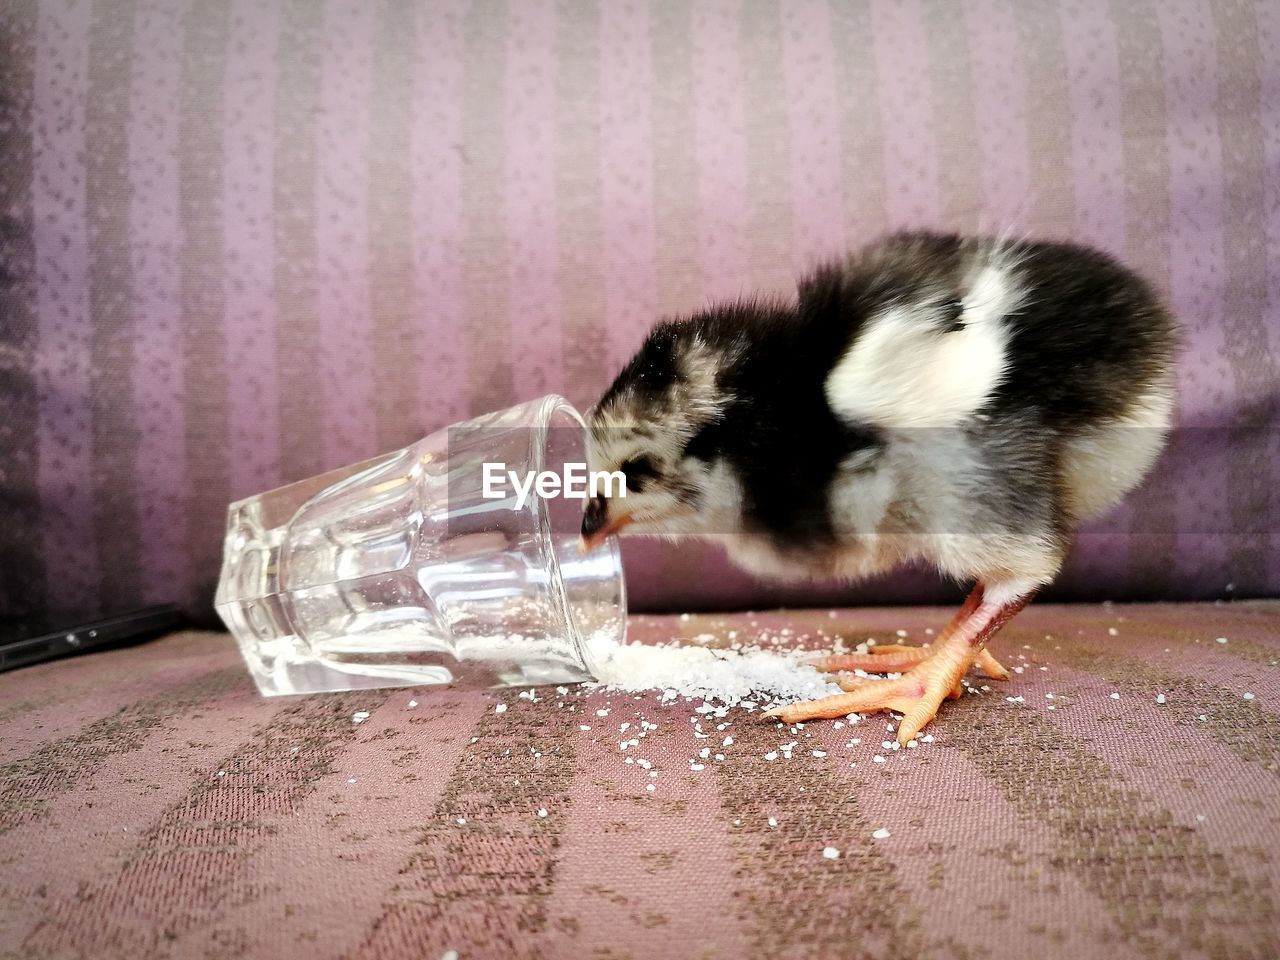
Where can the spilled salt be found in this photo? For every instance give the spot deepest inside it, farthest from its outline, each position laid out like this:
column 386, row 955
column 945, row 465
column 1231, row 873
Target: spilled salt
column 724, row 677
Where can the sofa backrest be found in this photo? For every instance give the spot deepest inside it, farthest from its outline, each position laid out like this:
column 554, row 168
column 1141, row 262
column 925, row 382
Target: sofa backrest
column 246, row 241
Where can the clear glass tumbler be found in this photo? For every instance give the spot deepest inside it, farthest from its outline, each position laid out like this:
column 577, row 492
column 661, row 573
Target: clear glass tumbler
column 401, row 570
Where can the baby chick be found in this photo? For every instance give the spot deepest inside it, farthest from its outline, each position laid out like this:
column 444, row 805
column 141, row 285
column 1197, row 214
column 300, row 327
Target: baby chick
column 967, row 402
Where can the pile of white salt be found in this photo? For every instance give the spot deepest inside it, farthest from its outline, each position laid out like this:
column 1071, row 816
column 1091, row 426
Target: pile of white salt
column 745, row 677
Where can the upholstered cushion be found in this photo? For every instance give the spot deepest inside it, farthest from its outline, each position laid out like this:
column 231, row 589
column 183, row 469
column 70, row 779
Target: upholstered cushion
column 1115, row 798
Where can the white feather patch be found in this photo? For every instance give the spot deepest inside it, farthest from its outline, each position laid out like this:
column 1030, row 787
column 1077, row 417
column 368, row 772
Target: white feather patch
column 903, row 371
column 1108, row 460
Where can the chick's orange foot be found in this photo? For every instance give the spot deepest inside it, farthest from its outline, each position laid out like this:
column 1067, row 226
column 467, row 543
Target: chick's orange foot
column 935, row 677
column 897, row 658
column 916, row 695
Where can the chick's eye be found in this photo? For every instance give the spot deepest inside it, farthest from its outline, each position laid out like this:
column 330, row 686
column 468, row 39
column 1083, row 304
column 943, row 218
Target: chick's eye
column 639, row 471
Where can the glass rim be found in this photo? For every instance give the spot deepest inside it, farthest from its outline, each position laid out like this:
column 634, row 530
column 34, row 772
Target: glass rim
column 548, row 407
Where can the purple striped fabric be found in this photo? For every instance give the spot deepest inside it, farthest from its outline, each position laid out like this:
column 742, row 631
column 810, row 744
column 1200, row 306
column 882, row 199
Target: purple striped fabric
column 247, row 242
column 1116, row 798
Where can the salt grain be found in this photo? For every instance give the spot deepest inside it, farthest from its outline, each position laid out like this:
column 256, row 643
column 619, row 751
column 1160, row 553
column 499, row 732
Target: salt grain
column 542, row 811
column 1160, row 698
column 831, row 853
column 412, row 704
column 1115, row 696
column 1247, row 696
column 500, row 708
column 1220, row 640
column 773, row 821
column 360, row 716
column 881, row 834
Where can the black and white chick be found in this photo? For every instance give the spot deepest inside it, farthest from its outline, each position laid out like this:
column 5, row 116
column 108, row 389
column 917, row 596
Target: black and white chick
column 963, row 401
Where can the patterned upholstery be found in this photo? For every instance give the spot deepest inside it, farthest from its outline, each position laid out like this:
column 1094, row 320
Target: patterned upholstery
column 153, row 805
column 249, row 240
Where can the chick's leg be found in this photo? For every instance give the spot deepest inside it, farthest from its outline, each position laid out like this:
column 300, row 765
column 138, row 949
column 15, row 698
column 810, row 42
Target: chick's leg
column 895, row 658
column 919, row 692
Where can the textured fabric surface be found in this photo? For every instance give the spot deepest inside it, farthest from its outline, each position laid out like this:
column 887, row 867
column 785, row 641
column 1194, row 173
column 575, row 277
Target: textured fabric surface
column 152, row 805
column 249, row 240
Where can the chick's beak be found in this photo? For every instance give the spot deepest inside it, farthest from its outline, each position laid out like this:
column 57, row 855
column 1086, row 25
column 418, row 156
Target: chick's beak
column 598, row 525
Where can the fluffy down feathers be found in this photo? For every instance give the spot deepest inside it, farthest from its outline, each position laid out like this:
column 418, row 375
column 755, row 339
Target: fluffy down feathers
column 964, row 401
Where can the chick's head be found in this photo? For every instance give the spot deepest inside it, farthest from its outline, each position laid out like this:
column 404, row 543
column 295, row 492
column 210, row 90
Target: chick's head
column 653, row 432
